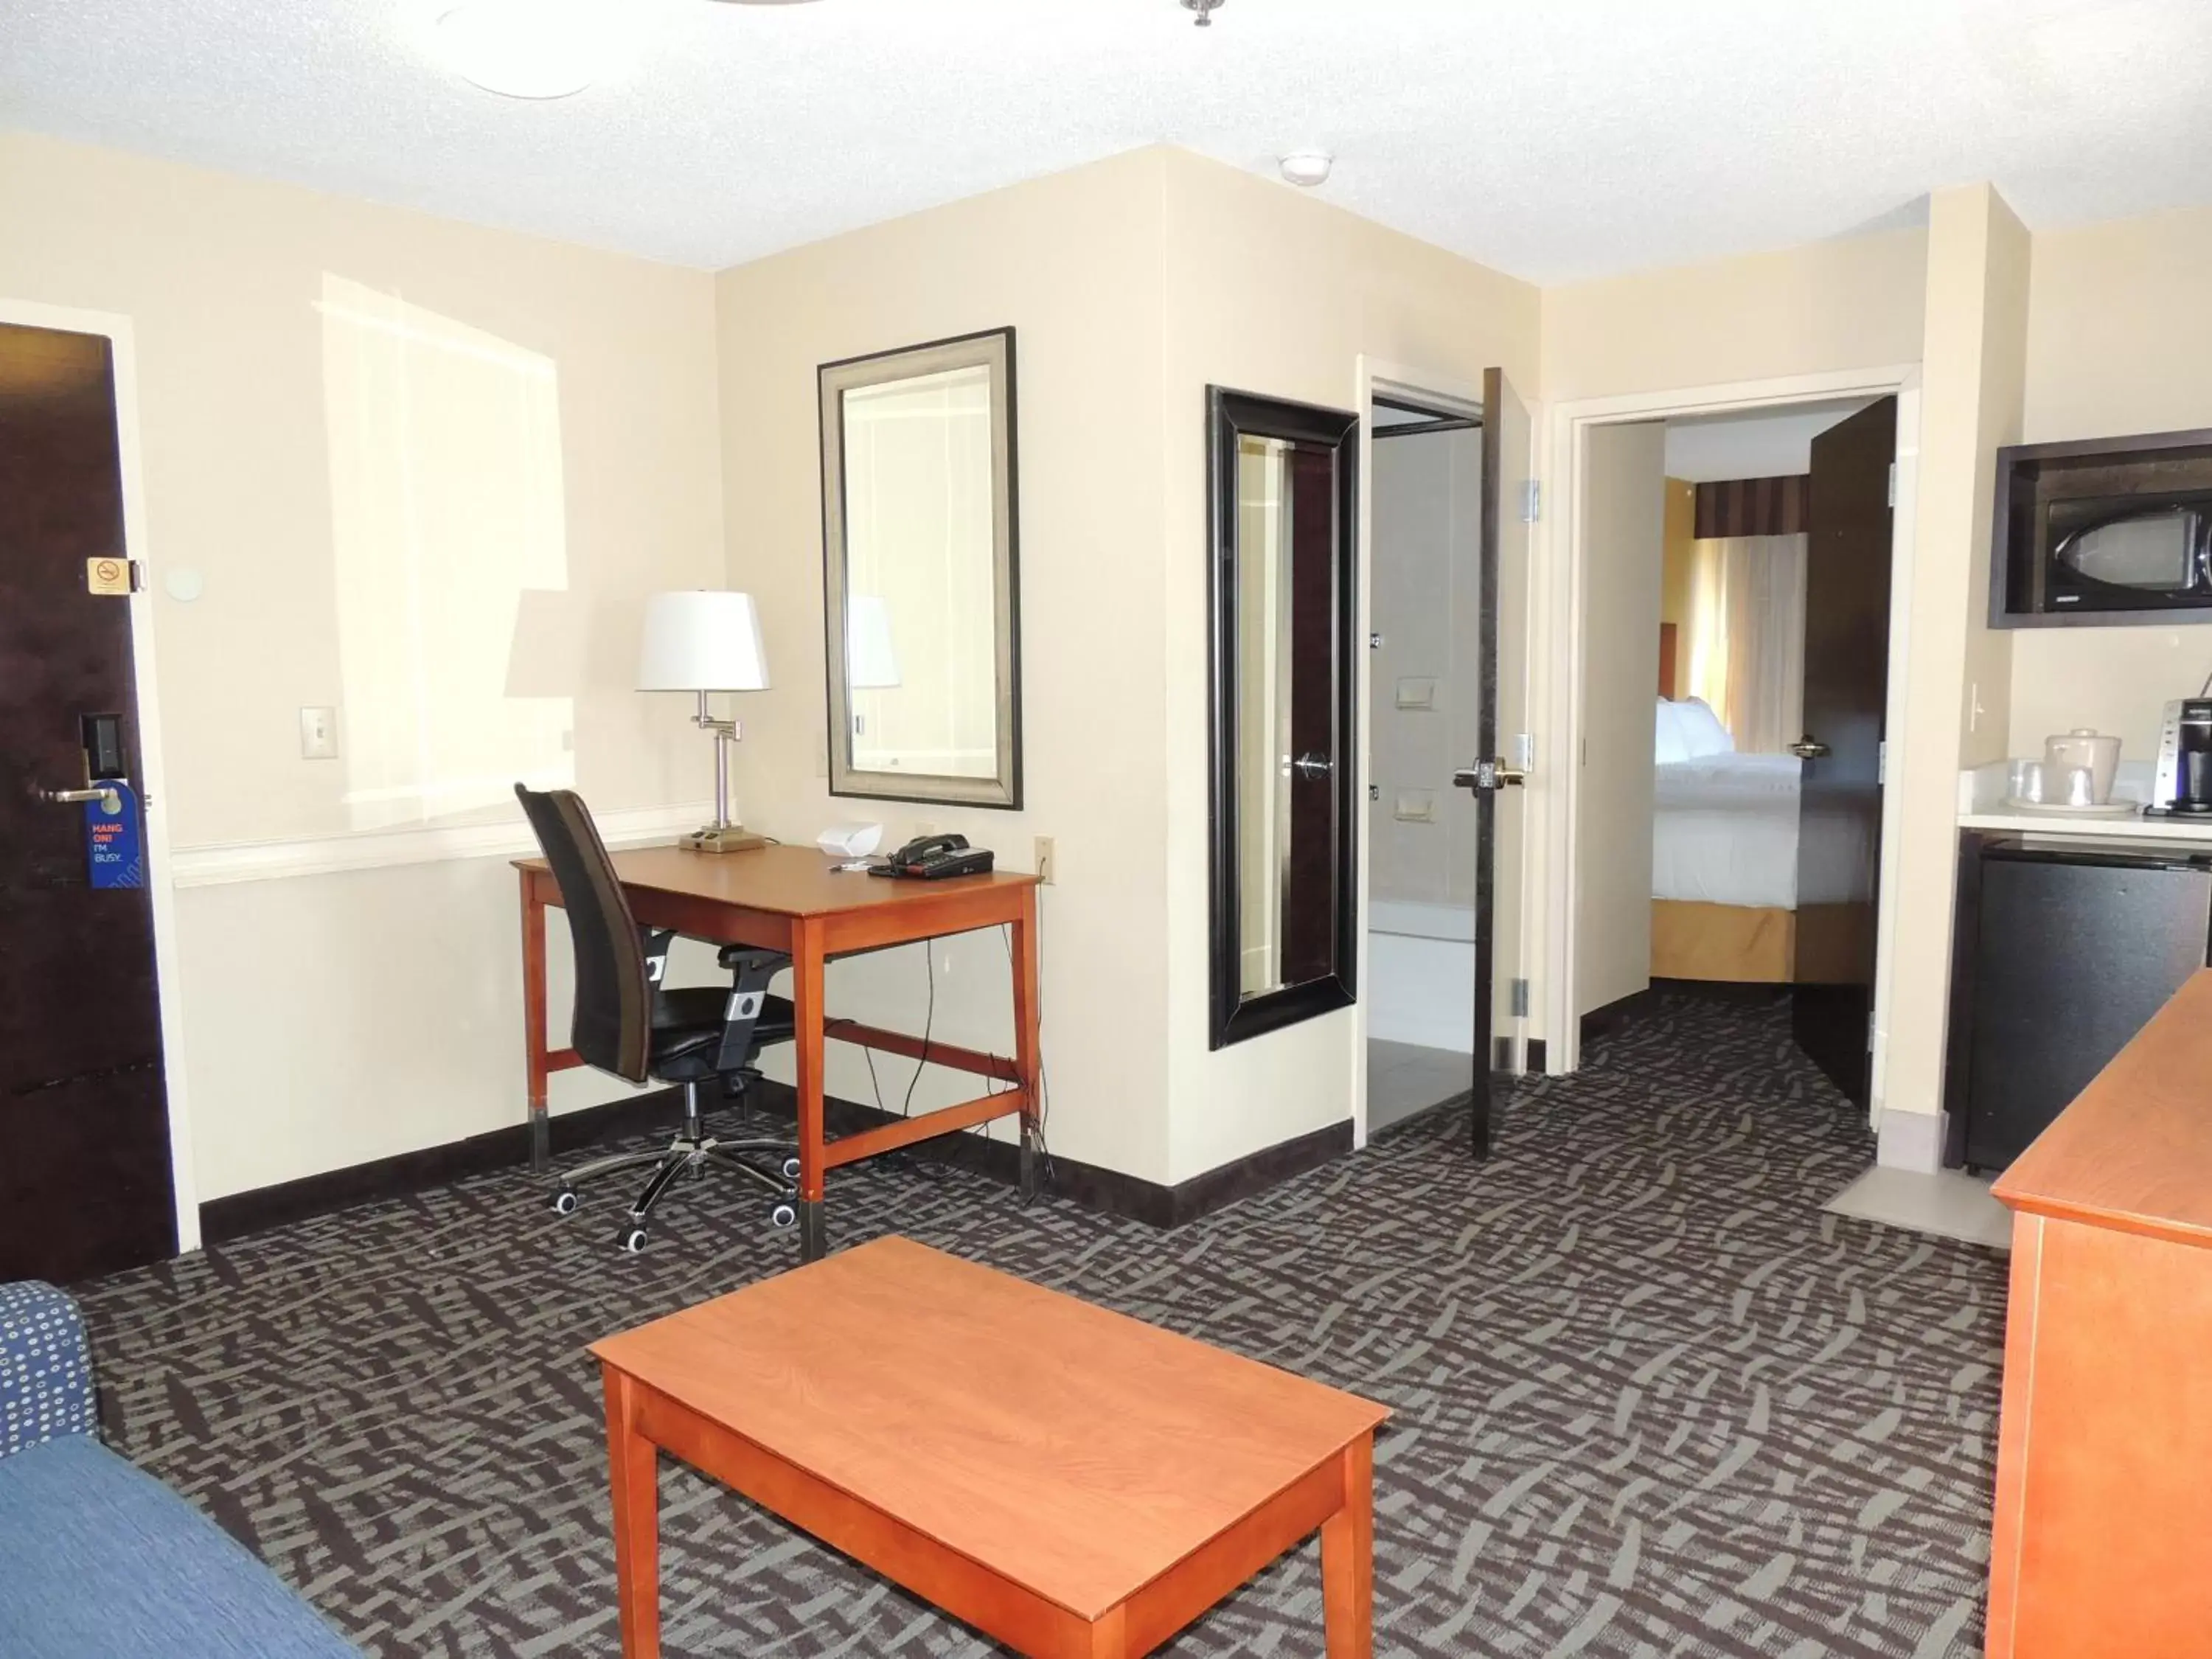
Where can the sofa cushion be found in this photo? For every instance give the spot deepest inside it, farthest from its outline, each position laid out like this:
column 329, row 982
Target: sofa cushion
column 45, row 1369
column 97, row 1559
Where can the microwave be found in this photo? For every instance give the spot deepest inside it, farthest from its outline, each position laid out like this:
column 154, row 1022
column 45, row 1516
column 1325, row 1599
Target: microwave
column 2107, row 555
column 2102, row 532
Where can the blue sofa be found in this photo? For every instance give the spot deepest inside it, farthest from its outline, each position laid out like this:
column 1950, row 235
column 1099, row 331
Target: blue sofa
column 98, row 1561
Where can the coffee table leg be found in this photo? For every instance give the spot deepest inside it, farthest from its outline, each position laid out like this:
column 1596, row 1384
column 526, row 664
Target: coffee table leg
column 1347, row 1558
column 634, row 1465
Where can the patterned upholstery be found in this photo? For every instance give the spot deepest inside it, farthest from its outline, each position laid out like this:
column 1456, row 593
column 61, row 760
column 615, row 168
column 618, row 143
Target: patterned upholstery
column 46, row 1368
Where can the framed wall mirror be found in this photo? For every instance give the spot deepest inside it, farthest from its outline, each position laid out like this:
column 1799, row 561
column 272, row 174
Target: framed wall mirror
column 1281, row 480
column 920, row 571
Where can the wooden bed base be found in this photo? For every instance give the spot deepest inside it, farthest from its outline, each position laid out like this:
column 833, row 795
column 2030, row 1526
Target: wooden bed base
column 1730, row 942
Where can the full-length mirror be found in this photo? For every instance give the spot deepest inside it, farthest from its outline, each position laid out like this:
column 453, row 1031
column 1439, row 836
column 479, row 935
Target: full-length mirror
column 919, row 546
column 1281, row 485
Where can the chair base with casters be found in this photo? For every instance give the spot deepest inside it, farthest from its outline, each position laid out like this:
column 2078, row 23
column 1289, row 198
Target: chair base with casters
column 693, row 1152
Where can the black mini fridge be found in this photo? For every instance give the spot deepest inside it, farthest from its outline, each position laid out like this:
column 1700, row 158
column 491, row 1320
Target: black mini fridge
column 2074, row 946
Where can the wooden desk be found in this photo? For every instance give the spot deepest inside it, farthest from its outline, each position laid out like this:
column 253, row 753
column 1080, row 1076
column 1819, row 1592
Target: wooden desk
column 2104, row 1502
column 789, row 899
column 1076, row 1484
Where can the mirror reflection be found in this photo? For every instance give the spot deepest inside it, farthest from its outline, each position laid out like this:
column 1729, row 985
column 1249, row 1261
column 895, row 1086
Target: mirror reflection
column 918, row 461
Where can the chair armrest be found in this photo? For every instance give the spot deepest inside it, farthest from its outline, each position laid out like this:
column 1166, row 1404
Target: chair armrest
column 46, row 1368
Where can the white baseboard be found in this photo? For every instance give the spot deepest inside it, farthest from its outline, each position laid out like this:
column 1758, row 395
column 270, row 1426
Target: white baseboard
column 214, row 864
column 1912, row 1141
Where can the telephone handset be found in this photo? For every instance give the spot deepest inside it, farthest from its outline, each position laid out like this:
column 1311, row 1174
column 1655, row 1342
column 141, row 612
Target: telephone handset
column 935, row 858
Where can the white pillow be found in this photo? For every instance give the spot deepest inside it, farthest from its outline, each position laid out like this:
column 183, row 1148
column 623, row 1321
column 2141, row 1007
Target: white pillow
column 1703, row 734
column 1671, row 748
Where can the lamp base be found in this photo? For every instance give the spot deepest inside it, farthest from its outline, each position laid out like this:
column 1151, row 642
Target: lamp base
column 727, row 838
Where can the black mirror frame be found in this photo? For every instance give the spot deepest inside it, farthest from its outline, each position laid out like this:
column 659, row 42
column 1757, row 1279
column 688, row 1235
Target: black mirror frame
column 1231, row 416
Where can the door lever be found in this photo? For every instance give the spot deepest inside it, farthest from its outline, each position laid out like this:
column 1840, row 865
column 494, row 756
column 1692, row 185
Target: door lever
column 109, row 800
column 1490, row 774
column 1809, row 749
column 1313, row 766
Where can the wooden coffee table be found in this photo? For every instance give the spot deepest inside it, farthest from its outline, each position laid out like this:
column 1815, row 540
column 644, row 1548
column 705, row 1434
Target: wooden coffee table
column 1067, row 1480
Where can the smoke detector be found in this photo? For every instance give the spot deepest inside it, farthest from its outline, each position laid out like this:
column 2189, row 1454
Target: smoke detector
column 1308, row 167
column 1205, row 9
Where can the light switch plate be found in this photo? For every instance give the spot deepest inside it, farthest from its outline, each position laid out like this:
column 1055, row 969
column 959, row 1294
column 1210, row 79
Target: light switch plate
column 319, row 734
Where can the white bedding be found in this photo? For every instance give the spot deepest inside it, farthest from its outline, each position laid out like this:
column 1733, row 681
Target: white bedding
column 1724, row 830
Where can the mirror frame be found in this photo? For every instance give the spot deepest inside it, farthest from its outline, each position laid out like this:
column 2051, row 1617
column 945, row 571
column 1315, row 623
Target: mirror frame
column 1232, row 416
column 992, row 349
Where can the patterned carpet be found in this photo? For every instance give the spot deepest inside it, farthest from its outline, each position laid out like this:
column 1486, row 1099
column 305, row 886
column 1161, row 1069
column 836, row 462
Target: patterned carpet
column 1650, row 1400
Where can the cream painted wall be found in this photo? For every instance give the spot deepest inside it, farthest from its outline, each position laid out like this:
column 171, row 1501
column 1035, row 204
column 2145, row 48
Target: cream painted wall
column 332, row 1019
column 1853, row 303
column 1957, row 671
column 1073, row 264
column 2120, row 341
column 1275, row 291
column 1624, row 487
column 1679, row 573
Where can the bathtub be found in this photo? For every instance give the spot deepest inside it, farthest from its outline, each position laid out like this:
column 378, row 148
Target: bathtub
column 1420, row 974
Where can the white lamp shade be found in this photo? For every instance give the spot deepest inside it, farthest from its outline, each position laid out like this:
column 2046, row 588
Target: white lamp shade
column 701, row 642
column 871, row 664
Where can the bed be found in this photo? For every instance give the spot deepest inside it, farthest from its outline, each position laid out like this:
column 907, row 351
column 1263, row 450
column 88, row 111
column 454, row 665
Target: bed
column 1723, row 854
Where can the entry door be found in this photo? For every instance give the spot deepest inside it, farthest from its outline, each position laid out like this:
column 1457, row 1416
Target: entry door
column 84, row 1138
column 1846, row 699
column 1493, row 776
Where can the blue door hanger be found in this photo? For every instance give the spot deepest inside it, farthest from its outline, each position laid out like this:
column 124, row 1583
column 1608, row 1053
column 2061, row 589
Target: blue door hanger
column 115, row 850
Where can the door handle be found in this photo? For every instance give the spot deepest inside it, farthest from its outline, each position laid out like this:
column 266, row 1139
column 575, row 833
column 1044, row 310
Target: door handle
column 1313, row 766
column 1808, row 748
column 1490, row 774
column 109, row 799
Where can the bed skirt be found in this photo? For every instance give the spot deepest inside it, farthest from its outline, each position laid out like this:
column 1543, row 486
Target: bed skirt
column 1737, row 943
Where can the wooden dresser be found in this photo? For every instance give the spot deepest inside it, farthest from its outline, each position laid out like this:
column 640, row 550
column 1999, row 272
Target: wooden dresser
column 2102, row 1541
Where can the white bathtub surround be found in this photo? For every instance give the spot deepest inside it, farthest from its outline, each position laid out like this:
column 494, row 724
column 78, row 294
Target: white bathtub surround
column 1421, row 974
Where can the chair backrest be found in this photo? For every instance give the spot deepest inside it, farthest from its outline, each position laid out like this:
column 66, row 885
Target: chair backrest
column 612, row 1027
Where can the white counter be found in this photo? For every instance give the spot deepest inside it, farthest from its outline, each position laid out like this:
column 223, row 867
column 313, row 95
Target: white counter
column 1981, row 806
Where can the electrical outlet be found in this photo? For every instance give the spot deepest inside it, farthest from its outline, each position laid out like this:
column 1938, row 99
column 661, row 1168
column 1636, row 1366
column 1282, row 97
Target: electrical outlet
column 1044, row 860
column 319, row 734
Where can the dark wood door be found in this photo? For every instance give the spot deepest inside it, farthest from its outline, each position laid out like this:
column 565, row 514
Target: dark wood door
column 1846, row 697
column 84, row 1138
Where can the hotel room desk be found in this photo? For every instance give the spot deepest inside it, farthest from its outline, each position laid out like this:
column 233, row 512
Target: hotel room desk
column 2104, row 1502
column 790, row 899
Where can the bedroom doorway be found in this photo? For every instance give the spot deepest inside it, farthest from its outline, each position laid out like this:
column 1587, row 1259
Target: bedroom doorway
column 1444, row 561
column 1738, row 563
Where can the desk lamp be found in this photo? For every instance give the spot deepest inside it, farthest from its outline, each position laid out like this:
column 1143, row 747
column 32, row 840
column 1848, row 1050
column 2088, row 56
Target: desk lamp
column 702, row 642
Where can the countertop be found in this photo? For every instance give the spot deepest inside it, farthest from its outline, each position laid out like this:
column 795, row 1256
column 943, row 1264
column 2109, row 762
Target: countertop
column 2134, row 1151
column 2196, row 832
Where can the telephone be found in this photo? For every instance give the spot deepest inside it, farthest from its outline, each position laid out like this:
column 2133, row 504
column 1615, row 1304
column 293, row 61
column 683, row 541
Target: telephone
column 933, row 858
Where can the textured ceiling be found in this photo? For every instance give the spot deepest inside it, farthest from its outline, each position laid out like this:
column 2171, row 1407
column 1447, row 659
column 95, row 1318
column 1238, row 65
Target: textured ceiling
column 1550, row 139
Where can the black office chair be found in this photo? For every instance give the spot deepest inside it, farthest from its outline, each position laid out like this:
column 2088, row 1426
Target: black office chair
column 624, row 1022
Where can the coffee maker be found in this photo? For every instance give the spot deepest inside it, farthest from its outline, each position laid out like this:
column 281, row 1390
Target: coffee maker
column 2183, row 785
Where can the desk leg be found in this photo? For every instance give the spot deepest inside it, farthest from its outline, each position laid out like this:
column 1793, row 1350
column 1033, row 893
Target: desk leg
column 1028, row 1059
column 634, row 1465
column 807, row 1042
column 1347, row 1558
column 533, row 1017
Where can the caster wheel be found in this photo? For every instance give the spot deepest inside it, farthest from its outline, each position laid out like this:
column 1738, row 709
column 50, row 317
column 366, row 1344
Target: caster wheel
column 791, row 1168
column 564, row 1201
column 784, row 1216
column 632, row 1239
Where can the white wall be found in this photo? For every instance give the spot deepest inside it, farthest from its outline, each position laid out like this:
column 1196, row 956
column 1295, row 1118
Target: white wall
column 1274, row 292
column 399, row 1021
column 1624, row 506
column 1073, row 262
column 2120, row 341
column 1426, row 604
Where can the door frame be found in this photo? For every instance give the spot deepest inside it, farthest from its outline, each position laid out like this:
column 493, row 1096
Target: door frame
column 1555, row 636
column 1374, row 376
column 161, row 888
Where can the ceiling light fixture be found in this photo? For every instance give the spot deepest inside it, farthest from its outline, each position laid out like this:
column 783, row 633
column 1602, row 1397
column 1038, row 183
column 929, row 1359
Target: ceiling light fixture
column 1308, row 167
column 1205, row 9
column 526, row 48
